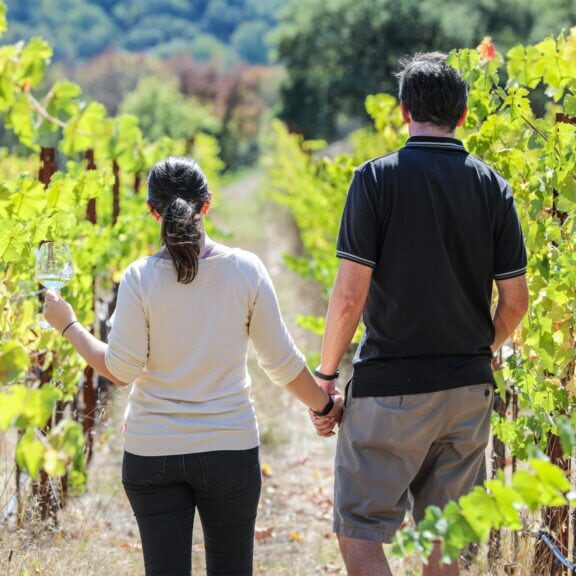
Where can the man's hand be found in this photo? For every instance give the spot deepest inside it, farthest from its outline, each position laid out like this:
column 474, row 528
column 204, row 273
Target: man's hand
column 325, row 424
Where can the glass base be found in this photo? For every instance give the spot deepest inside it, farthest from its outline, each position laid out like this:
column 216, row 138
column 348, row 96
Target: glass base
column 45, row 325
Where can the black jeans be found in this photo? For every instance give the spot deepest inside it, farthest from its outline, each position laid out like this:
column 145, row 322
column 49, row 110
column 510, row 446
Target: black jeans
column 165, row 491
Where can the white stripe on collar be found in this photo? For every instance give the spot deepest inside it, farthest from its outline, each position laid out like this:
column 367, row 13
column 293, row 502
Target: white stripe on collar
column 433, row 144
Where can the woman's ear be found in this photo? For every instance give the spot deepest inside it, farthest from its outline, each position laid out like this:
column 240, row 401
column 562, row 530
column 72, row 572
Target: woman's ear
column 206, row 207
column 157, row 216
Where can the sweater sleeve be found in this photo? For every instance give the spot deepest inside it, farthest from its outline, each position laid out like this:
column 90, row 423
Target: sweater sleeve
column 277, row 354
column 128, row 340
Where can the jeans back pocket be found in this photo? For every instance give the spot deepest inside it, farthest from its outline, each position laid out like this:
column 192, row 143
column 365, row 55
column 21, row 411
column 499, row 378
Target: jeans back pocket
column 228, row 470
column 142, row 470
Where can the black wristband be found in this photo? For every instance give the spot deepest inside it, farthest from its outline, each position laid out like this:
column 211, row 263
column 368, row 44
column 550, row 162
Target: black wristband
column 327, row 409
column 328, row 377
column 73, row 322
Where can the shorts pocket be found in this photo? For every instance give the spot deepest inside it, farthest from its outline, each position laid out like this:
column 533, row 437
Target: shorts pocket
column 348, row 394
column 227, row 470
column 484, row 390
column 403, row 401
column 142, row 470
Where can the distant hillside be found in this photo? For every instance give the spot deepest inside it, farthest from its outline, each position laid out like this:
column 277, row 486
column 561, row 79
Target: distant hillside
column 225, row 30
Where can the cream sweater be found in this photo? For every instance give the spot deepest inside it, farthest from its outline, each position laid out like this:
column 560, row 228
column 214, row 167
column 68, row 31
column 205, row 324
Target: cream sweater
column 184, row 349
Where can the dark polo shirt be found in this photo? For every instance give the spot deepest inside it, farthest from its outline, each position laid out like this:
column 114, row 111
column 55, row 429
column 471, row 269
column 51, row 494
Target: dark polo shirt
column 438, row 226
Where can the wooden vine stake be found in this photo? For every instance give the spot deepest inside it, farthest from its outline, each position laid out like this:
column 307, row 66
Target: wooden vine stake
column 557, row 520
column 498, row 463
column 115, row 193
column 48, row 492
column 88, row 390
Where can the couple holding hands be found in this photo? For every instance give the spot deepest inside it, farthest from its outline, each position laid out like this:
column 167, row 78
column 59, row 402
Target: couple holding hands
column 425, row 233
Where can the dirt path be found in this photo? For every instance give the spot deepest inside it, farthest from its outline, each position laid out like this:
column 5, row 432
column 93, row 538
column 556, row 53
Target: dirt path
column 98, row 535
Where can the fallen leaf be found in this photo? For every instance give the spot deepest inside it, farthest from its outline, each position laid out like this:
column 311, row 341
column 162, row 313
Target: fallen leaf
column 295, row 537
column 133, row 547
column 267, row 471
column 263, row 534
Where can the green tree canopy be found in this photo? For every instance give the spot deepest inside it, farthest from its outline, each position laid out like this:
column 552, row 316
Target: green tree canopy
column 338, row 52
column 164, row 111
column 233, row 29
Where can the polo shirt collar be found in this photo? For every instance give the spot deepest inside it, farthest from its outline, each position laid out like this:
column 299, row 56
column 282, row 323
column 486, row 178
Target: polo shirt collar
column 438, row 142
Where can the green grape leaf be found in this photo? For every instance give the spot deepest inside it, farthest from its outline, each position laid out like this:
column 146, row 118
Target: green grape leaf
column 61, row 226
column 40, row 405
column 20, row 120
column 82, row 131
column 518, row 103
column 65, row 90
column 481, row 512
column 14, row 361
column 33, row 60
column 12, row 405
column 550, row 475
column 570, row 105
column 30, row 454
column 61, row 103
column 525, row 66
column 467, row 62
column 127, row 143
column 507, row 501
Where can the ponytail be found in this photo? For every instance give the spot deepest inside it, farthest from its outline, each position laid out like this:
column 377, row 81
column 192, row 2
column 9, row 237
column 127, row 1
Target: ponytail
column 182, row 234
column 177, row 189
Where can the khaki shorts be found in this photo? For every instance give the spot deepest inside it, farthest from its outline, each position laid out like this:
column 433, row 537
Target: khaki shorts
column 397, row 453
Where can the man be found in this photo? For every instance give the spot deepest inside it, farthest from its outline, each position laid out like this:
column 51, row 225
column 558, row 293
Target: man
column 425, row 232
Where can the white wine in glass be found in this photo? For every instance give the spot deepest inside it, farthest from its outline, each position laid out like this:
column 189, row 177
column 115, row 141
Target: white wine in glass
column 54, row 267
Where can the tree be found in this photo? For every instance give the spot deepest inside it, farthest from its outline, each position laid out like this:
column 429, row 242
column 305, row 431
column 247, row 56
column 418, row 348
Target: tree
column 164, row 111
column 336, row 53
column 249, row 40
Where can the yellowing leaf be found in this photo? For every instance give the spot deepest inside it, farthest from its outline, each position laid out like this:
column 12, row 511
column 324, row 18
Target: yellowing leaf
column 12, row 405
column 55, row 463
column 14, row 361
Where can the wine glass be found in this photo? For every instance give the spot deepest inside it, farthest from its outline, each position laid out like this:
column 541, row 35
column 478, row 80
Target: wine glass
column 54, row 267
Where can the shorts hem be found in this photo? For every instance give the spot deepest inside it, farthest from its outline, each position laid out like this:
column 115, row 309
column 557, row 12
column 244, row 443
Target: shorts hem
column 382, row 536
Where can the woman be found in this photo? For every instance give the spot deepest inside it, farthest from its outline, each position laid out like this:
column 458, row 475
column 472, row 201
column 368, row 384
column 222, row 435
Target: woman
column 179, row 336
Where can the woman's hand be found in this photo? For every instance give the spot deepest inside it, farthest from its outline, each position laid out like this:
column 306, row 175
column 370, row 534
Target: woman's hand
column 57, row 311
column 325, row 424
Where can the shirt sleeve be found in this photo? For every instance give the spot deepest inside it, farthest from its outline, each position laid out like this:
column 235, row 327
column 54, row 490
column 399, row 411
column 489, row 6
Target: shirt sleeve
column 128, row 340
column 277, row 354
column 509, row 251
column 358, row 239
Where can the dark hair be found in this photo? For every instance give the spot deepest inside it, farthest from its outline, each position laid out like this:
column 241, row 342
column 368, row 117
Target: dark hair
column 177, row 190
column 432, row 91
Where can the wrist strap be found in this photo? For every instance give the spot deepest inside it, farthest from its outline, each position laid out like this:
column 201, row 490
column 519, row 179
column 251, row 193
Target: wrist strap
column 327, row 377
column 73, row 322
column 327, row 409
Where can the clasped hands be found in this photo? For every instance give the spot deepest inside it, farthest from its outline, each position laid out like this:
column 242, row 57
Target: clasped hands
column 325, row 424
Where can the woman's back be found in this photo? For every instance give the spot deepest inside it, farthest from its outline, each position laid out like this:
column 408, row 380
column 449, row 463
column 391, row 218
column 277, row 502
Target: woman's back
column 185, row 346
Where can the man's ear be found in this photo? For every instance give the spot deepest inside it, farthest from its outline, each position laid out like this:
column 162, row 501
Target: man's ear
column 405, row 114
column 463, row 117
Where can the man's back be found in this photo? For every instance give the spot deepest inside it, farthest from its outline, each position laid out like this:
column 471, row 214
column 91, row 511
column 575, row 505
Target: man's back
column 437, row 225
